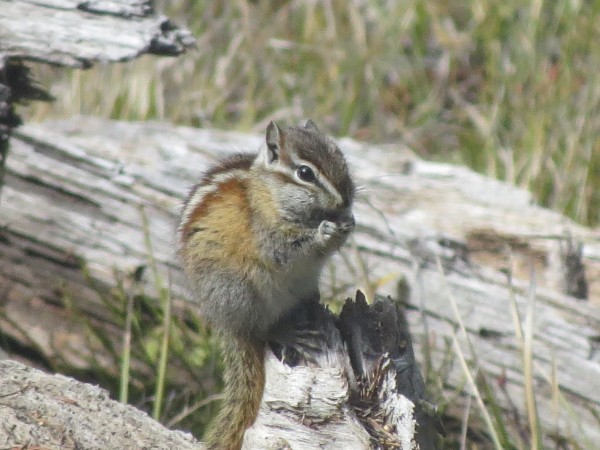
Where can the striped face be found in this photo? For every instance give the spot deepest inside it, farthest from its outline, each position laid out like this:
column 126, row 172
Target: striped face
column 308, row 174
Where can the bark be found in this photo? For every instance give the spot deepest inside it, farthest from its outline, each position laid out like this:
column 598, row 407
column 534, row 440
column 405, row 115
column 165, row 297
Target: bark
column 335, row 401
column 441, row 238
column 73, row 33
column 38, row 411
column 79, row 33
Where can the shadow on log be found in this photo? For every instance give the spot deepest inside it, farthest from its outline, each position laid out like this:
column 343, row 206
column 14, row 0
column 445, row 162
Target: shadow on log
column 379, row 346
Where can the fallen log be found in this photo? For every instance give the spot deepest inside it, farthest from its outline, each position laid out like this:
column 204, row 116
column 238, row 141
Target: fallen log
column 80, row 33
column 447, row 236
column 38, row 410
column 73, row 33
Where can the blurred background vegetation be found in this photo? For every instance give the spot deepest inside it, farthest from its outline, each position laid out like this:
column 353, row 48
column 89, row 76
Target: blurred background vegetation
column 510, row 88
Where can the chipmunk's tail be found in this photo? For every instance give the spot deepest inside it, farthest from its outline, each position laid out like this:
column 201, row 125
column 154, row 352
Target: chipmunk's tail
column 244, row 378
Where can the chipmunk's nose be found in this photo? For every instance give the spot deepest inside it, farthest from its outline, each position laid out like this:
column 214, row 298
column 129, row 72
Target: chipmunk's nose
column 347, row 219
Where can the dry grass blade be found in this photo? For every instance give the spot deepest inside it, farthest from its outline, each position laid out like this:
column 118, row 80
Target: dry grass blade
column 465, row 424
column 532, row 412
column 126, row 354
column 525, row 341
column 463, row 363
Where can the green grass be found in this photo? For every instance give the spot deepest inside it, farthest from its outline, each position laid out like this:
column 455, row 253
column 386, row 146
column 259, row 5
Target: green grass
column 169, row 371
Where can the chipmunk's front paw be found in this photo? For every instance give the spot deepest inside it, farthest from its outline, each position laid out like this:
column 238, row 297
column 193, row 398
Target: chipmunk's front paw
column 332, row 230
column 327, row 231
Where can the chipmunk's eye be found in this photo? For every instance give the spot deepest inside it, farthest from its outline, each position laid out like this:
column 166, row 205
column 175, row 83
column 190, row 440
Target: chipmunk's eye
column 305, row 173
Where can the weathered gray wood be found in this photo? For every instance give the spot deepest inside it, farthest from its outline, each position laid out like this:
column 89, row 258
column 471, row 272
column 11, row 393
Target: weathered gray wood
column 78, row 33
column 314, row 415
column 74, row 189
column 73, row 33
column 307, row 408
column 15, row 87
column 331, row 403
column 55, row 412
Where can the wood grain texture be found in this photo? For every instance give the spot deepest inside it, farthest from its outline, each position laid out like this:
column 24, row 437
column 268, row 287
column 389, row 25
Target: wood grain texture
column 78, row 33
column 56, row 412
column 74, row 190
column 73, row 33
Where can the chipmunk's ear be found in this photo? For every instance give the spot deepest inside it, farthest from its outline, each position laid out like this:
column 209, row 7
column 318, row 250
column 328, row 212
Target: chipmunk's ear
column 311, row 126
column 273, row 142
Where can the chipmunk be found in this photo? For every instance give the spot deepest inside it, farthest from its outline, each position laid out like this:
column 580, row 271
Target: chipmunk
column 253, row 237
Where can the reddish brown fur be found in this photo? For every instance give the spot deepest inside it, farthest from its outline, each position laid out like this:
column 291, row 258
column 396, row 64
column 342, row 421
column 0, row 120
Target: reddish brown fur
column 220, row 229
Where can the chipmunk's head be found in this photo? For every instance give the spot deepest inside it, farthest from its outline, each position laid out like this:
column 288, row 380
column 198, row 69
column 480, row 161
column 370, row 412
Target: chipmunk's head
column 307, row 174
